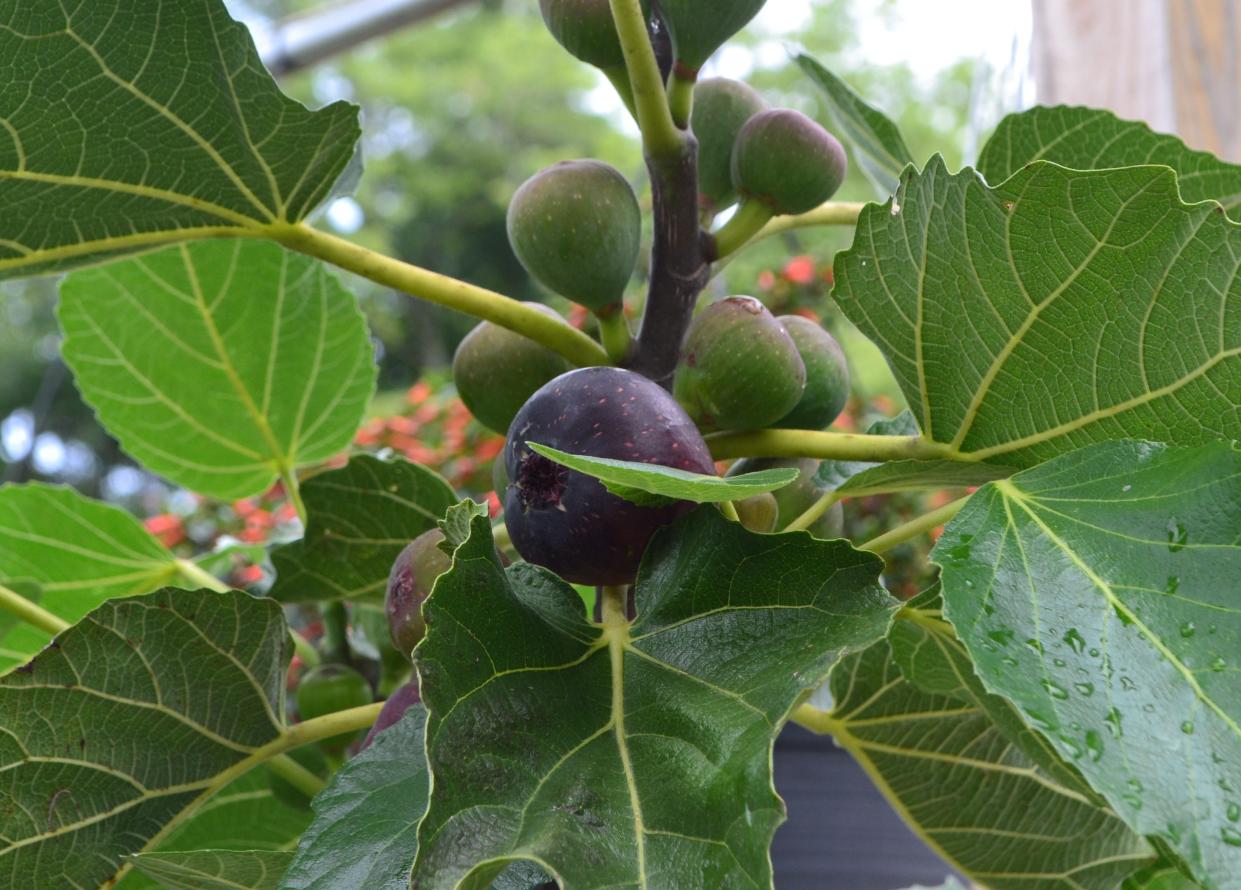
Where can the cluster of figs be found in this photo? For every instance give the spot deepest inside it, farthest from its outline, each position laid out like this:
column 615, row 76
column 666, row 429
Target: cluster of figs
column 576, row 227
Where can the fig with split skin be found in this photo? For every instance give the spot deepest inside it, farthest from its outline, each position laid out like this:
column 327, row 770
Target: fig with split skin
column 567, row 521
column 409, row 584
column 576, row 228
column 495, row 370
column 739, row 368
column 721, row 109
column 786, row 163
column 827, row 376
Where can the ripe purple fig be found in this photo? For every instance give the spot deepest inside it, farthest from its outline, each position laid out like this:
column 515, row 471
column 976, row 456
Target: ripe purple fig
column 409, row 584
column 577, row 228
column 721, row 109
column 786, row 162
column 827, row 376
column 739, row 368
column 394, row 709
column 567, row 521
column 496, row 370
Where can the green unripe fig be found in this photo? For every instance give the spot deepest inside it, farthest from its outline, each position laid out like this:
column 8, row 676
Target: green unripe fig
column 787, row 162
column 793, row 499
column 327, row 689
column 758, row 513
column 721, row 109
column 577, row 228
column 409, row 584
column 739, row 368
column 496, row 370
column 285, row 791
column 827, row 376
column 586, row 29
column 699, row 27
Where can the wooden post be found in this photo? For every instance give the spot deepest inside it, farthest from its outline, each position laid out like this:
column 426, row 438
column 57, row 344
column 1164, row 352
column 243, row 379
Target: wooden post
column 1171, row 63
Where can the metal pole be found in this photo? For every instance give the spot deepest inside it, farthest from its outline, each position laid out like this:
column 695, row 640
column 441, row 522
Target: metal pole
column 304, row 40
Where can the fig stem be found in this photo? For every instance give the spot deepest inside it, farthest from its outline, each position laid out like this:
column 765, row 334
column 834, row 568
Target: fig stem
column 615, row 335
column 499, row 532
column 325, row 727
column 660, row 136
column 31, row 613
column 826, row 446
column 680, row 98
column 433, row 287
column 833, row 213
column 614, row 605
column 915, row 527
column 814, row 512
column 729, row 511
column 815, row 719
column 293, row 491
column 296, row 775
column 742, row 227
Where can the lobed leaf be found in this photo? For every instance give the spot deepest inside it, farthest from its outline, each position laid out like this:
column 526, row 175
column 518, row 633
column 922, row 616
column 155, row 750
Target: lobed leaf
column 215, row 869
column 620, row 755
column 642, row 483
column 1057, row 309
column 125, row 125
column 1093, row 139
column 360, row 517
column 1098, row 594
column 222, row 365
column 129, row 720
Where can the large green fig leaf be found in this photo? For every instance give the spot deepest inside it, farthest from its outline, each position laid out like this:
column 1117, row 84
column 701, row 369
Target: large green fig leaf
column 245, row 815
column 128, row 721
column 1092, row 139
column 1098, row 593
column 968, row 791
column 621, row 755
column 78, row 552
column 365, row 829
column 361, row 517
column 222, row 365
column 216, row 869
column 125, row 125
column 876, row 142
column 1057, row 309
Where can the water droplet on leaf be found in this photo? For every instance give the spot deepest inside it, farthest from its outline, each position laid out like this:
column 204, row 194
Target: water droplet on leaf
column 1056, row 692
column 1094, row 745
column 1075, row 641
column 1187, row 727
column 1178, row 535
column 1086, row 689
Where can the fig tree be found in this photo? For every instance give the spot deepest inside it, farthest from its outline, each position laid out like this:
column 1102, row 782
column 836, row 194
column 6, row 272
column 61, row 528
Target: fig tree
column 409, row 583
column 567, row 521
column 827, row 375
column 721, row 108
column 576, row 227
column 496, row 370
column 786, row 162
column 699, row 27
column 739, row 368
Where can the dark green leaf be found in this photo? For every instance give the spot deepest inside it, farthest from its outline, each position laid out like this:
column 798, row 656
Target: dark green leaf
column 366, row 820
column 877, row 144
column 963, row 786
column 1098, row 594
column 1058, row 309
column 221, row 150
column 223, row 365
column 619, row 755
column 1092, row 139
column 361, row 516
column 134, row 716
column 642, row 483
column 215, row 869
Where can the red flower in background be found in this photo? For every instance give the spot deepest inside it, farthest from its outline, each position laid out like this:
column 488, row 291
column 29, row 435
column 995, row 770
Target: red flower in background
column 168, row 527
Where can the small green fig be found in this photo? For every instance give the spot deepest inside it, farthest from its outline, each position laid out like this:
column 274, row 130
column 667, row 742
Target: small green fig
column 758, row 513
column 577, row 228
column 586, row 29
column 496, row 370
column 827, row 376
column 793, row 499
column 699, row 27
column 787, row 162
column 409, row 584
column 739, row 368
column 721, row 108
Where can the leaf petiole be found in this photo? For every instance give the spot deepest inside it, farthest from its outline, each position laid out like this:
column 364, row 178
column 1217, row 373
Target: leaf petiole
column 914, row 527
column 31, row 613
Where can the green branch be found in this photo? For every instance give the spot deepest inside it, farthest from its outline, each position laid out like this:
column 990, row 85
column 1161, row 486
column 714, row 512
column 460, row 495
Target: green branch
column 24, row 610
column 435, row 288
column 914, row 527
column 833, row 213
column 660, row 136
column 324, row 727
column 824, row 446
column 296, row 775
